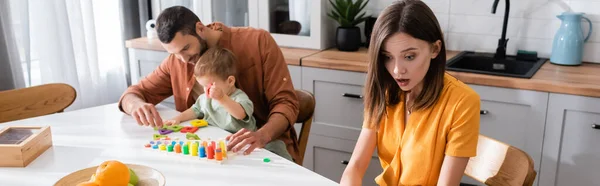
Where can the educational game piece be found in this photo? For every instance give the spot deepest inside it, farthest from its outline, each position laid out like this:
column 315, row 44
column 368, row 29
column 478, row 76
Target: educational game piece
column 211, row 153
column 173, row 143
column 199, row 123
column 164, row 131
column 223, row 148
column 177, row 148
column 219, row 156
column 192, row 136
column 212, row 143
column 189, row 129
column 158, row 136
column 170, row 148
column 162, row 147
column 151, row 142
column 266, row 160
column 155, row 147
column 202, row 152
column 205, row 144
column 147, row 145
column 186, row 150
column 194, row 149
column 175, row 128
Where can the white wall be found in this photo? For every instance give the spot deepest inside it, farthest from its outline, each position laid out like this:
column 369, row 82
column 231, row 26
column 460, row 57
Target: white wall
column 470, row 25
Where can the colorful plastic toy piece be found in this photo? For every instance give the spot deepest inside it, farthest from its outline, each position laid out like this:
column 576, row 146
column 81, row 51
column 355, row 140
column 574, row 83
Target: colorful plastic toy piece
column 266, row 160
column 202, row 152
column 177, row 148
column 173, row 143
column 147, row 145
column 158, row 136
column 186, row 150
column 180, row 142
column 194, row 149
column 223, row 148
column 151, row 142
column 205, row 144
column 199, row 123
column 174, row 128
column 189, row 129
column 212, row 143
column 155, row 147
column 170, row 148
column 158, row 142
column 211, row 152
column 192, row 136
column 164, row 131
column 219, row 155
column 162, row 147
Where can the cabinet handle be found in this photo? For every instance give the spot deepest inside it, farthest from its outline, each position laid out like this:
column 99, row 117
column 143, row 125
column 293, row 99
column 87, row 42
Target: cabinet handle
column 595, row 126
column 484, row 112
column 345, row 162
column 348, row 95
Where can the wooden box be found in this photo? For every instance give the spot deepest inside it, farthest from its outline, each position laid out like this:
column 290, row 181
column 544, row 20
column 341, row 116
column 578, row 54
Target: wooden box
column 19, row 146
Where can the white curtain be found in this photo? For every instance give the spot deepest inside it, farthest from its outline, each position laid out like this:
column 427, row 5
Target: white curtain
column 78, row 42
column 299, row 12
column 11, row 76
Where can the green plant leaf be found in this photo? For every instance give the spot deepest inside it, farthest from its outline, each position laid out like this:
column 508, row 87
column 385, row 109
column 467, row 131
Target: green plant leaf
column 358, row 21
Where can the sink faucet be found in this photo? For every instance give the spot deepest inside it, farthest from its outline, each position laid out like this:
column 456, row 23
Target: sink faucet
column 501, row 50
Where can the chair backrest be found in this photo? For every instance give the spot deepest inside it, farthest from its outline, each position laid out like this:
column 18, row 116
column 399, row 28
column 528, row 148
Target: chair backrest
column 499, row 164
column 307, row 109
column 35, row 101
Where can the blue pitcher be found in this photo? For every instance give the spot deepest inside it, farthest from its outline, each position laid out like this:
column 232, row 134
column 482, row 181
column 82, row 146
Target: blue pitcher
column 567, row 48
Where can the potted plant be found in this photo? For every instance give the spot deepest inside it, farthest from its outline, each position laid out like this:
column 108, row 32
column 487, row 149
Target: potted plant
column 348, row 15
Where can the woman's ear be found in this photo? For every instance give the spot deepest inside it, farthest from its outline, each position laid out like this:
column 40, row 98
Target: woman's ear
column 436, row 47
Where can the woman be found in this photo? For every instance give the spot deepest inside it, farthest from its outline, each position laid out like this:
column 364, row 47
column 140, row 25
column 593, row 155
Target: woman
column 424, row 122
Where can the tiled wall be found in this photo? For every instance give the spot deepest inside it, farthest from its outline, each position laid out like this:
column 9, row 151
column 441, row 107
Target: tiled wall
column 470, row 25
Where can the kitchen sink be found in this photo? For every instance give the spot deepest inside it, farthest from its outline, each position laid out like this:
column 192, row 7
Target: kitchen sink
column 485, row 63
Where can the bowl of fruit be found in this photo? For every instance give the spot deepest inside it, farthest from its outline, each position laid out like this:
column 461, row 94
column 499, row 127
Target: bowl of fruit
column 114, row 173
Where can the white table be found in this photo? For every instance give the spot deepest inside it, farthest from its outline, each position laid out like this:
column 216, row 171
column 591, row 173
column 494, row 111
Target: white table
column 88, row 137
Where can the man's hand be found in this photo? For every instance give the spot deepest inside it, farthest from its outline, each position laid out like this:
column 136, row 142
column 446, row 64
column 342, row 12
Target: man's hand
column 146, row 115
column 245, row 137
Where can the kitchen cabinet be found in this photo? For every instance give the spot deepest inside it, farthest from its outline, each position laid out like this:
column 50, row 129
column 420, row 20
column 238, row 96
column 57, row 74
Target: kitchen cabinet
column 339, row 104
column 513, row 116
column 571, row 151
column 292, row 23
column 328, row 156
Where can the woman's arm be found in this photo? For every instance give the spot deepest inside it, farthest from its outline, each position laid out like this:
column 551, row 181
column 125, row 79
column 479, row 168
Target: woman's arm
column 361, row 157
column 452, row 170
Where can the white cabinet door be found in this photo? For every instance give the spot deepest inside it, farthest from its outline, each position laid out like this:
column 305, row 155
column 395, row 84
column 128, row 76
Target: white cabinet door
column 144, row 62
column 516, row 117
column 571, row 148
column 339, row 103
column 329, row 156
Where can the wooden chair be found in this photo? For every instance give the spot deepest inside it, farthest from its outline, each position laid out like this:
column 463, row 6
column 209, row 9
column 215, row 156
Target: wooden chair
column 35, row 101
column 499, row 164
column 307, row 109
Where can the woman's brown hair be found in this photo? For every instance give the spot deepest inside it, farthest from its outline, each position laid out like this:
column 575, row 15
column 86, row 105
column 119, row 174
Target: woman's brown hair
column 415, row 18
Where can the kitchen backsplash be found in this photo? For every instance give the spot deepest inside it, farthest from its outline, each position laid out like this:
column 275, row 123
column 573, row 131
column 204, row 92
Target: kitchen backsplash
column 470, row 25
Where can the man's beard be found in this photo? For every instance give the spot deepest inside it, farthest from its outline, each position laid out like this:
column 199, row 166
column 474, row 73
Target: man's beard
column 203, row 48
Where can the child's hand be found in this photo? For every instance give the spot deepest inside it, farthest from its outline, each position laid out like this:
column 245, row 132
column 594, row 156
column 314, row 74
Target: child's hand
column 171, row 122
column 215, row 92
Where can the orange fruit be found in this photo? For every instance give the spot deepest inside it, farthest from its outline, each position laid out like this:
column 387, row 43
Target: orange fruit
column 88, row 183
column 112, row 173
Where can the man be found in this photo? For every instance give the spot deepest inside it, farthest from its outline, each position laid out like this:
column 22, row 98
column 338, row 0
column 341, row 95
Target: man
column 262, row 74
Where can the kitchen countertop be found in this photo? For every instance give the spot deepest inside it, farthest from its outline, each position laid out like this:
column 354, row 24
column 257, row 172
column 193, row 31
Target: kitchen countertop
column 581, row 80
column 292, row 55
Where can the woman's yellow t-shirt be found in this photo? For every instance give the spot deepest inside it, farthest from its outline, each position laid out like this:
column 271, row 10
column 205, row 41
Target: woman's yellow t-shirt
column 412, row 153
